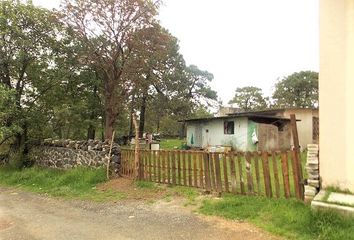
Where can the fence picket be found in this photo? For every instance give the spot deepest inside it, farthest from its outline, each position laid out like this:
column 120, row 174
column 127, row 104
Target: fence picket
column 201, row 177
column 212, row 171
column 256, row 165
column 295, row 175
column 206, row 157
column 195, row 171
column 285, row 171
column 217, row 173
column 189, row 160
column 249, row 173
column 226, row 180
column 233, row 173
column 240, row 172
column 179, row 177
column 276, row 175
column 173, row 159
column 158, row 156
column 266, row 174
column 168, row 162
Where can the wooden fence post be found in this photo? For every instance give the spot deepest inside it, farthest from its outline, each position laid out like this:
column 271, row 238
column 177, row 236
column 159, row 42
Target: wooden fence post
column 297, row 160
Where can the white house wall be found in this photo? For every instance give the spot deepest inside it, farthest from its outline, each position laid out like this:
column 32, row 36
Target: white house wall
column 215, row 135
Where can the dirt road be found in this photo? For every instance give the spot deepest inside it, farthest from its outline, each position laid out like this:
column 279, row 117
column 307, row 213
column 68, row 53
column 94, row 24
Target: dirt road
column 28, row 216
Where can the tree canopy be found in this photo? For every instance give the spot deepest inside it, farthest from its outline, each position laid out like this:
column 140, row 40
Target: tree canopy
column 249, row 98
column 299, row 89
column 82, row 71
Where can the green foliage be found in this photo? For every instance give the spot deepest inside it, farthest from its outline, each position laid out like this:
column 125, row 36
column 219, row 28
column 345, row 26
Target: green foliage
column 249, row 98
column 56, row 82
column 299, row 89
column 75, row 183
column 289, row 218
column 9, row 122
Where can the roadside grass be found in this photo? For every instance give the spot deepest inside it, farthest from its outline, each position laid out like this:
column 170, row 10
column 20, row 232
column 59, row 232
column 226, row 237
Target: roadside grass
column 145, row 185
column 288, row 218
column 77, row 183
column 190, row 194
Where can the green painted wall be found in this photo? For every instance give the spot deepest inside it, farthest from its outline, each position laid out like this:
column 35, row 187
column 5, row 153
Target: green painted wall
column 251, row 127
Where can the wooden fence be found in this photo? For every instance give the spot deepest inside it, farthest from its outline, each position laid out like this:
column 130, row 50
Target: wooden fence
column 272, row 174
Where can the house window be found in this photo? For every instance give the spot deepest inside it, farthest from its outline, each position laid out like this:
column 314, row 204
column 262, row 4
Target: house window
column 229, row 127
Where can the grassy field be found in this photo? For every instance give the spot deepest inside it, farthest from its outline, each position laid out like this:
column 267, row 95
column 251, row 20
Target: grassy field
column 289, row 218
column 174, row 143
column 76, row 183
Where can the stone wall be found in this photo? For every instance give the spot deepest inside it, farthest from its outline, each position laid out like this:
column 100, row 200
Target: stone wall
column 312, row 167
column 65, row 154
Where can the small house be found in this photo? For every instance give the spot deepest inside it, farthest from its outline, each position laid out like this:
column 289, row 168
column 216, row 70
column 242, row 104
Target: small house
column 241, row 131
column 307, row 126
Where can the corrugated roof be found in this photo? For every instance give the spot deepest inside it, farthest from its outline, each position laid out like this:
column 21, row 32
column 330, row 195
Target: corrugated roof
column 244, row 114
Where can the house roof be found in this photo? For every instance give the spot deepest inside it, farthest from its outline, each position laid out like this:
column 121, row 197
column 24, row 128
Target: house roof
column 253, row 116
column 274, row 111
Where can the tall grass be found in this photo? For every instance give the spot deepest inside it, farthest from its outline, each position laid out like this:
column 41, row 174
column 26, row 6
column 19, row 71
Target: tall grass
column 74, row 183
column 289, row 218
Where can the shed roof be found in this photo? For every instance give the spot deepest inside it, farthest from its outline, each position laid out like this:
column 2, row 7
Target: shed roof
column 259, row 118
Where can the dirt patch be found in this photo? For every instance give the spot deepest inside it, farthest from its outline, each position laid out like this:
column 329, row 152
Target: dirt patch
column 131, row 191
column 4, row 224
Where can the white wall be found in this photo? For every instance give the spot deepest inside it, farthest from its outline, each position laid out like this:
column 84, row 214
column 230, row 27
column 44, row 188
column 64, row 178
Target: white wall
column 215, row 135
column 337, row 93
column 305, row 126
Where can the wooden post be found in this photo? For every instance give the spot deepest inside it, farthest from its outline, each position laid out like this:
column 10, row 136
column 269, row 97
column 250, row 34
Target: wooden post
column 297, row 155
column 136, row 155
column 109, row 155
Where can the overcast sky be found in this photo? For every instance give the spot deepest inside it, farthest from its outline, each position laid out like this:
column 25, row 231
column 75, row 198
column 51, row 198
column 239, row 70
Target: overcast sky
column 242, row 42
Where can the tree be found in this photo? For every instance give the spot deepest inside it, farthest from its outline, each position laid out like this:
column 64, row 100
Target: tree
column 249, row 98
column 106, row 29
column 299, row 89
column 29, row 50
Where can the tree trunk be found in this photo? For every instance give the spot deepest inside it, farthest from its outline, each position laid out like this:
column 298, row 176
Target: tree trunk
column 111, row 107
column 136, row 155
column 158, row 124
column 131, row 127
column 142, row 115
column 91, row 132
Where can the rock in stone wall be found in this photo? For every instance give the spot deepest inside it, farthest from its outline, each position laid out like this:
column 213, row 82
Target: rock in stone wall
column 65, row 154
column 312, row 168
